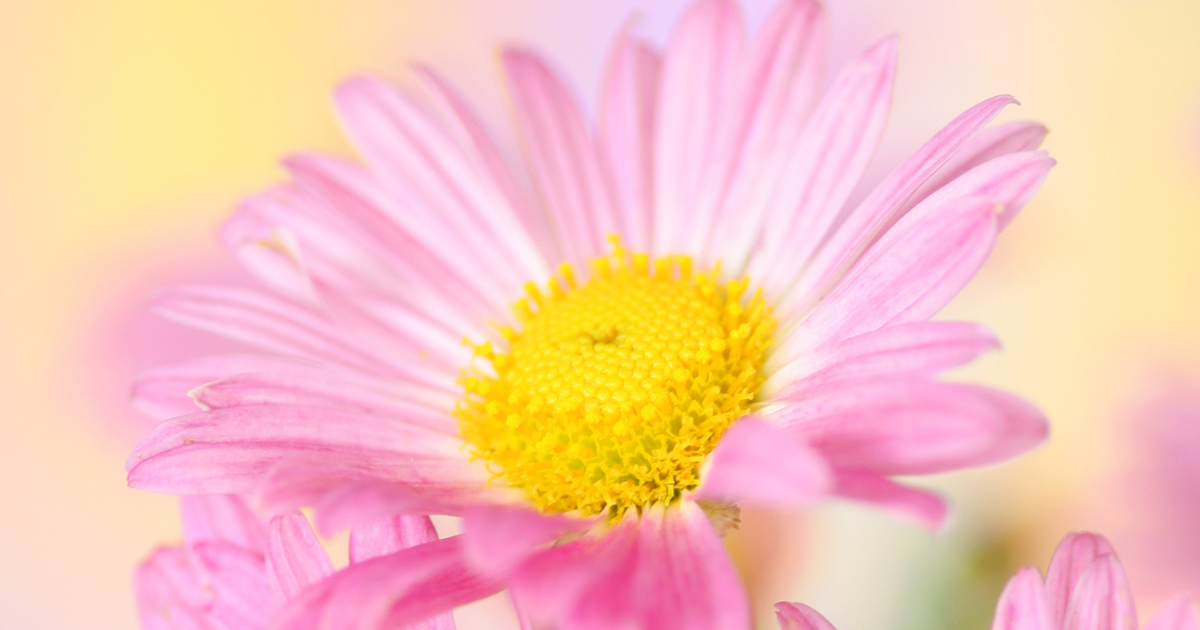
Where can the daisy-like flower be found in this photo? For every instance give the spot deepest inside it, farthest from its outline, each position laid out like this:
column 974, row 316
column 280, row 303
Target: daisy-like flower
column 236, row 570
column 690, row 316
column 1085, row 589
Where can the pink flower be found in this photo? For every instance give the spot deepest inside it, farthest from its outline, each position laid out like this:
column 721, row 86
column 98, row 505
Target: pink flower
column 1085, row 589
column 235, row 571
column 690, row 316
column 1150, row 498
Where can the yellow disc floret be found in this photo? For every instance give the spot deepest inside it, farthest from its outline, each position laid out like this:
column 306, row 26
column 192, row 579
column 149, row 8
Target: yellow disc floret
column 613, row 392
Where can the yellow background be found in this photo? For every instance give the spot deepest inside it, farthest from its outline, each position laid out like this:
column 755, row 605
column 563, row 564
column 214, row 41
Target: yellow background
column 128, row 129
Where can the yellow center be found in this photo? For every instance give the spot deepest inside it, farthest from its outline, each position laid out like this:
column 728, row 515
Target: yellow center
column 613, row 392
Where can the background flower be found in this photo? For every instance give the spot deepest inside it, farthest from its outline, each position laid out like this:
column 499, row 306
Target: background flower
column 129, row 130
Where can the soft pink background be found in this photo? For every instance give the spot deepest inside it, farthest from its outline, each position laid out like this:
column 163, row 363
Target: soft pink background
column 129, row 129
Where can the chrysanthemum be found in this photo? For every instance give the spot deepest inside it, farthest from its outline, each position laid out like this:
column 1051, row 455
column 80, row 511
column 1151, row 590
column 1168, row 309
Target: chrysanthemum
column 690, row 316
column 1085, row 589
column 235, row 570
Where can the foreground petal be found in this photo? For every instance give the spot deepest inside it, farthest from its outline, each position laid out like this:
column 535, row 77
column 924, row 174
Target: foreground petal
column 1023, row 605
column 915, row 426
column 756, row 462
column 498, row 537
column 677, row 575
column 922, row 507
column 392, row 591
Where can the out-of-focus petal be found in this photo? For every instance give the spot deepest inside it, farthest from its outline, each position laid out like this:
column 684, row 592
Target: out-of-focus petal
column 222, row 517
column 915, row 426
column 1101, row 598
column 922, row 507
column 1074, row 555
column 392, row 591
column 800, row 617
column 758, row 463
column 1178, row 614
column 162, row 392
column 497, row 538
column 1023, row 605
column 295, row 558
column 389, row 534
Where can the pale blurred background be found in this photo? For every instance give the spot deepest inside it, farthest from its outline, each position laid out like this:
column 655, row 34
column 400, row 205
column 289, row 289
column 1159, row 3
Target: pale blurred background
column 129, row 129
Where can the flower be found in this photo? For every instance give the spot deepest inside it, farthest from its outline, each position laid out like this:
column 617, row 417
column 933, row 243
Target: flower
column 1085, row 588
column 235, row 570
column 699, row 319
column 1149, row 499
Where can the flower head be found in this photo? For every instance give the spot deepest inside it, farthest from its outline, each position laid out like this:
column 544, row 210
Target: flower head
column 690, row 316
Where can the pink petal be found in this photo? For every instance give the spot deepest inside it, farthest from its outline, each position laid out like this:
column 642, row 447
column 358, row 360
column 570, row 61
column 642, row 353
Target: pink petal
column 1071, row 559
column 550, row 583
column 162, row 392
column 295, row 558
column 264, row 321
column 627, row 103
column 387, row 535
column 378, row 220
column 238, row 580
column 676, row 575
column 914, row 426
column 393, row 591
column 1101, row 599
column 566, row 166
column 800, row 617
column 1176, row 615
column 777, row 87
column 757, row 462
column 498, row 537
column 271, row 252
column 449, row 204
column 907, row 276
column 824, row 167
column 343, row 496
column 987, row 145
column 698, row 73
column 880, row 208
column 348, row 271
column 474, row 140
column 917, row 348
column 170, row 592
column 326, row 388
column 1023, row 605
column 1008, row 181
column 222, row 517
column 922, row 507
column 231, row 450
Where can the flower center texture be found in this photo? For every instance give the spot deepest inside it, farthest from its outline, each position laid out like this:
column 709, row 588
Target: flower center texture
column 613, row 391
